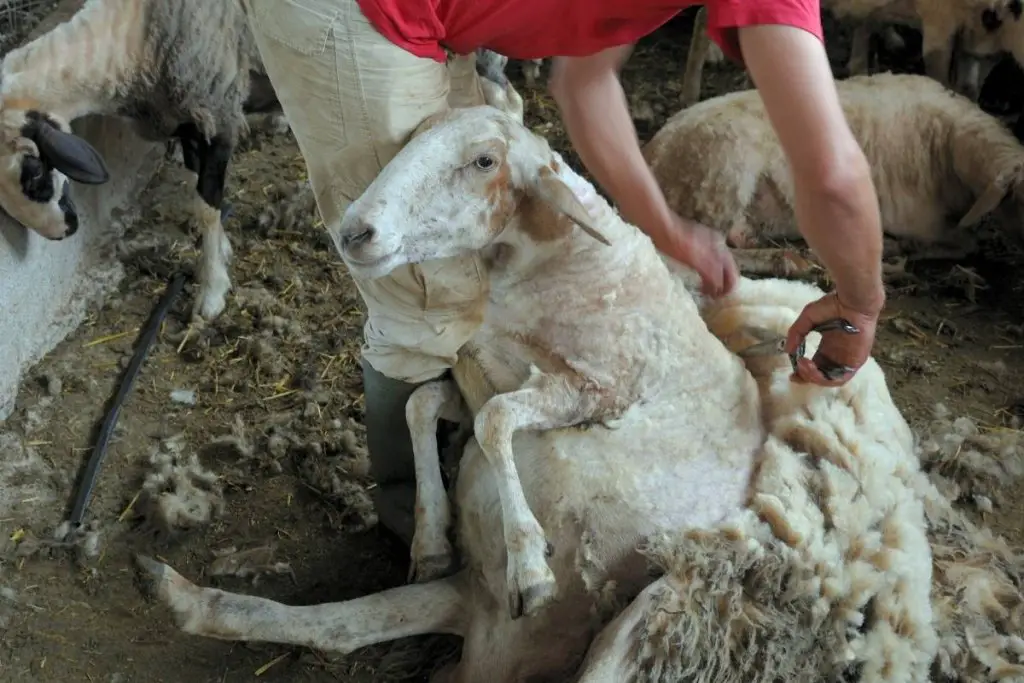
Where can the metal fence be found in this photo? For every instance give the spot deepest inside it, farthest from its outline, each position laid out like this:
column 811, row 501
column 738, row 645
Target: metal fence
column 18, row 18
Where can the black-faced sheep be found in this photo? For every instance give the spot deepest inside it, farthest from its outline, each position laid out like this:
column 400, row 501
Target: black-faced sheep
column 176, row 68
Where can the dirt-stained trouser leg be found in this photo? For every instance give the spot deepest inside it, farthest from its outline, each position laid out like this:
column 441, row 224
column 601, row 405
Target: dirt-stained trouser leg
column 353, row 98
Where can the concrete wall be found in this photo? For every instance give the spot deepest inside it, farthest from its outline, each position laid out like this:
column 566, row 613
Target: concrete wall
column 47, row 287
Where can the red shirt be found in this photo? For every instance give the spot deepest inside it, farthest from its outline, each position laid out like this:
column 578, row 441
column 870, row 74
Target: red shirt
column 534, row 29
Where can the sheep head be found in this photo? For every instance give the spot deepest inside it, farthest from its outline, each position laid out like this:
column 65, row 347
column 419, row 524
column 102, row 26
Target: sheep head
column 988, row 31
column 468, row 178
column 38, row 156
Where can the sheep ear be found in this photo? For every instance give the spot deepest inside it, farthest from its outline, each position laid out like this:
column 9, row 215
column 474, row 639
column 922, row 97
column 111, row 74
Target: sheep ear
column 71, row 155
column 560, row 197
column 987, row 202
column 429, row 122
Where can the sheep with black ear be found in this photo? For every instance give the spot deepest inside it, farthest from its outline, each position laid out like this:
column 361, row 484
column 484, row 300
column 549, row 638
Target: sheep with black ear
column 177, row 68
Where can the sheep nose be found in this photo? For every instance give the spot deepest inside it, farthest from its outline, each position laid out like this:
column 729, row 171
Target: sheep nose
column 67, row 207
column 71, row 221
column 357, row 234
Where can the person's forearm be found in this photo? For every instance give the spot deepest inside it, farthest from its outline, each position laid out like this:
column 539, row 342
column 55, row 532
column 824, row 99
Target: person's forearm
column 597, row 120
column 841, row 223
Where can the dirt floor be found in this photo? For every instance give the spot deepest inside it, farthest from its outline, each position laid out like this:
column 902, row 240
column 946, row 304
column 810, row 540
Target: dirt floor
column 277, row 412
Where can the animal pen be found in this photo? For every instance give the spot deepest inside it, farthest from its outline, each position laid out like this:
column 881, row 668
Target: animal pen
column 18, row 18
column 239, row 457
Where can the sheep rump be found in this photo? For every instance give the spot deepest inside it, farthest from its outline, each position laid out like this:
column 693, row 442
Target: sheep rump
column 824, row 574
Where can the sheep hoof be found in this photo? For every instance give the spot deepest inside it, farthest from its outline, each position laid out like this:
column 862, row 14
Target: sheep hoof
column 431, row 567
column 208, row 306
column 528, row 600
column 175, row 592
column 156, row 577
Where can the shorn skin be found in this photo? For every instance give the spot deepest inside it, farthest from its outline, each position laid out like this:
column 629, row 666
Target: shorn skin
column 784, row 518
column 177, row 68
column 939, row 164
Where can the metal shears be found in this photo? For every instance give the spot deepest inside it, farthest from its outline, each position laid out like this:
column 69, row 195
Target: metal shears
column 777, row 345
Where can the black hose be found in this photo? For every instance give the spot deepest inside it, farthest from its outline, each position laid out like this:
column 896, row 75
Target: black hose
column 99, row 451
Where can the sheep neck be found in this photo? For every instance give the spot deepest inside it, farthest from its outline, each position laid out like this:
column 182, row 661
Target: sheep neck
column 78, row 67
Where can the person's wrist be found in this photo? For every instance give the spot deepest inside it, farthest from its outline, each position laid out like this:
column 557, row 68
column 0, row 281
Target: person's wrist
column 868, row 301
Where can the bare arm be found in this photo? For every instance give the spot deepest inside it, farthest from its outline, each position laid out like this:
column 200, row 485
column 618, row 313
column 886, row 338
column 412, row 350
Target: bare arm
column 836, row 204
column 596, row 117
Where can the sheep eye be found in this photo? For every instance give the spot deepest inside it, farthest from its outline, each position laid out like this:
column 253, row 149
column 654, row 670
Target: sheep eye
column 990, row 20
column 484, row 162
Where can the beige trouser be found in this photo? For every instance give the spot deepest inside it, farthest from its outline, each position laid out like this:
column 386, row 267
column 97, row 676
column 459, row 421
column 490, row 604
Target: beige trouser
column 352, row 99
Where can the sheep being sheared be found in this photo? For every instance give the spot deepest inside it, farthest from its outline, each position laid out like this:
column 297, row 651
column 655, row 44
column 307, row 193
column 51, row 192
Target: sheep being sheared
column 677, row 464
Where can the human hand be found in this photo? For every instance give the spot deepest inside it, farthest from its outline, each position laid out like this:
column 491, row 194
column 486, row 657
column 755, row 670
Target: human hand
column 837, row 347
column 702, row 249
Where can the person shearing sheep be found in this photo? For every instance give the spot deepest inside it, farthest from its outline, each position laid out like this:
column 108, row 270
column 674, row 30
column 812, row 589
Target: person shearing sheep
column 356, row 77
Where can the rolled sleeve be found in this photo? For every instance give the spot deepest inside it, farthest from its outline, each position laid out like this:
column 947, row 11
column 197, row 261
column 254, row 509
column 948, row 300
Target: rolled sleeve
column 725, row 16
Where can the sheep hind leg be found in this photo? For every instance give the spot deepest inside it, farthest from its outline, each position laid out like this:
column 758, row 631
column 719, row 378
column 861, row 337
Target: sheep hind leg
column 431, row 552
column 613, row 654
column 342, row 627
column 774, row 262
column 214, row 280
column 543, row 402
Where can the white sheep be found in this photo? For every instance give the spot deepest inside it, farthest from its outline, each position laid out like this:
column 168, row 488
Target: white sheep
column 826, row 516
column 569, row 374
column 176, row 68
column 941, row 23
column 939, row 165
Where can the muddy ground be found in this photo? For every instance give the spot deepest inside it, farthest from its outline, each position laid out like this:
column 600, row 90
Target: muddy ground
column 277, row 375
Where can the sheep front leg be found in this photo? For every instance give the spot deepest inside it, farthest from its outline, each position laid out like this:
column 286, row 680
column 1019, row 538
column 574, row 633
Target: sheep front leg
column 342, row 627
column 543, row 402
column 937, row 43
column 531, row 71
column 214, row 280
column 431, row 552
column 860, row 49
column 209, row 159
